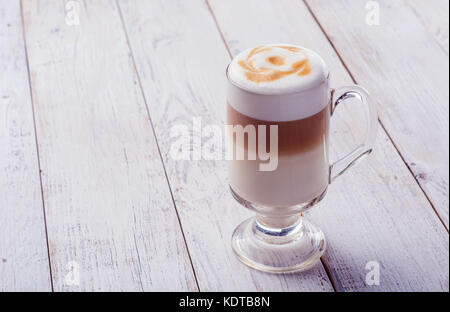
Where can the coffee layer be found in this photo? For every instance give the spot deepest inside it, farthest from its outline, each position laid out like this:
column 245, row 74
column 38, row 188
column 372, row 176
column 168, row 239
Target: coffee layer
column 297, row 136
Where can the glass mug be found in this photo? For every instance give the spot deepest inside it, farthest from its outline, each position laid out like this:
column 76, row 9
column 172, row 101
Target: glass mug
column 279, row 239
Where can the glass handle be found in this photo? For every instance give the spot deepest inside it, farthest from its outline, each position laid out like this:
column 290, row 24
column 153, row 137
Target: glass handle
column 365, row 148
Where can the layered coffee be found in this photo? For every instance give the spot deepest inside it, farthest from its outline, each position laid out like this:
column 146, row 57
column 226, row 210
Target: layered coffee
column 278, row 109
column 284, row 86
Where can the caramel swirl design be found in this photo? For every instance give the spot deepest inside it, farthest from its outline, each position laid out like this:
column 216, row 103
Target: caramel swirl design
column 276, row 65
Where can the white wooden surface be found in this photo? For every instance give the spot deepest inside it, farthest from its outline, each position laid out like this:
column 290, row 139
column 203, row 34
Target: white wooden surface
column 409, row 78
column 435, row 21
column 23, row 247
column 107, row 202
column 132, row 218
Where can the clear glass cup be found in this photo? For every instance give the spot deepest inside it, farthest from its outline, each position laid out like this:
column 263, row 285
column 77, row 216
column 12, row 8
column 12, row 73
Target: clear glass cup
column 279, row 239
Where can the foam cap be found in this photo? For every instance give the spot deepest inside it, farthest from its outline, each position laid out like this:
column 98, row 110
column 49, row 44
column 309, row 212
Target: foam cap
column 277, row 69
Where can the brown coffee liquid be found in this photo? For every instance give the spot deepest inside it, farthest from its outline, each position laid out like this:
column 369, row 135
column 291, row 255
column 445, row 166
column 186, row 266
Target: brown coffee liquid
column 297, row 136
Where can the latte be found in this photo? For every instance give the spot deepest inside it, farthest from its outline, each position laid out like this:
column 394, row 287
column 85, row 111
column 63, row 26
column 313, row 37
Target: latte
column 278, row 97
column 286, row 86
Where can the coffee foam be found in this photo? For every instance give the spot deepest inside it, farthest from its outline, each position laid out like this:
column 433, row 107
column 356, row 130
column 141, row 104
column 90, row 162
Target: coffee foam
column 280, row 94
column 277, row 69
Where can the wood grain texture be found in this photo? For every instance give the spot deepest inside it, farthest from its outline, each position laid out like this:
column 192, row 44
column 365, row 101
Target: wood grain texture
column 405, row 67
column 109, row 209
column 434, row 16
column 24, row 262
column 181, row 61
column 376, row 211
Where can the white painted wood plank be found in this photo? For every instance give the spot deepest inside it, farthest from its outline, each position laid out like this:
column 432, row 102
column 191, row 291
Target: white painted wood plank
column 376, row 211
column 181, row 60
column 407, row 70
column 434, row 15
column 24, row 262
column 107, row 200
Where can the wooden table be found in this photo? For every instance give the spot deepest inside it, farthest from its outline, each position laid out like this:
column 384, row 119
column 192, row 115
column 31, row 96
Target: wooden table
column 91, row 200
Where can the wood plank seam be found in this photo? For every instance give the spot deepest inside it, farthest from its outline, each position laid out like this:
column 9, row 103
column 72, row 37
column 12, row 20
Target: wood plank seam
column 156, row 139
column 36, row 142
column 379, row 121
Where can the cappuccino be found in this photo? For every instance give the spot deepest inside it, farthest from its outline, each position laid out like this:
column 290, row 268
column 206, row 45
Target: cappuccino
column 285, row 86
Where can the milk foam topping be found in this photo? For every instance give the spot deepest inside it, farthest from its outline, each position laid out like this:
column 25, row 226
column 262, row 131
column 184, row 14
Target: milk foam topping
column 277, row 69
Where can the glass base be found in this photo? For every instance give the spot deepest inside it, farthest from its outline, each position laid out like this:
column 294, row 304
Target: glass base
column 286, row 250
